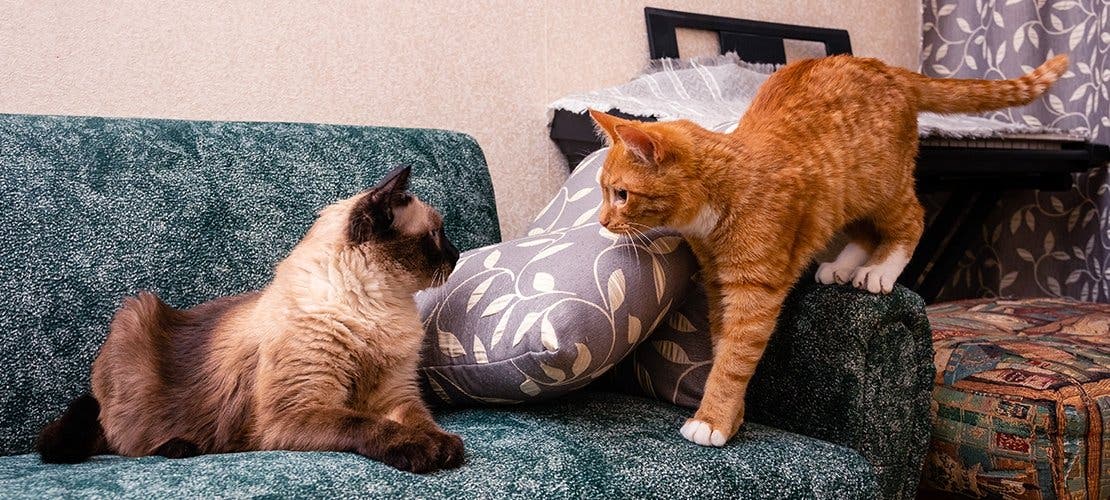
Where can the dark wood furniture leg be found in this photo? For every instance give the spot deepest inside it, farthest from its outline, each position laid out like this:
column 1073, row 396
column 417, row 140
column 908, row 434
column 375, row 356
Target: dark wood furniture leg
column 945, row 240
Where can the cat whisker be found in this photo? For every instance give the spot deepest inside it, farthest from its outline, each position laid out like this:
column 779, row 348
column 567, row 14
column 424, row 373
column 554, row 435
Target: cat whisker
column 628, row 236
column 638, row 236
column 631, row 249
column 643, row 239
column 663, row 257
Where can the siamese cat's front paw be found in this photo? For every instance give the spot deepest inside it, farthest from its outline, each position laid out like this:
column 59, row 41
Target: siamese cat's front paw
column 412, row 452
column 703, row 433
column 451, row 452
column 422, row 451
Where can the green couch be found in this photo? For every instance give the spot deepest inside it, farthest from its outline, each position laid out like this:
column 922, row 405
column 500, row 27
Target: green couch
column 95, row 209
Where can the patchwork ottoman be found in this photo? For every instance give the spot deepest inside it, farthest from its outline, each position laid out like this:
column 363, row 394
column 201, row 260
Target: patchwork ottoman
column 1022, row 399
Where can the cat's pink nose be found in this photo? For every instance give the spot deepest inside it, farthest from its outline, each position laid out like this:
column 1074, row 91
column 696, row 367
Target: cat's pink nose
column 604, row 219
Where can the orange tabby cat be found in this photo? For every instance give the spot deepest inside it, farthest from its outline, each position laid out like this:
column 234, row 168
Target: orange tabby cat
column 827, row 145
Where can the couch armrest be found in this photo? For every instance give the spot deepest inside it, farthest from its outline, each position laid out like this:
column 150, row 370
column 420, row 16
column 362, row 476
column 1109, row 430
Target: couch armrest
column 854, row 369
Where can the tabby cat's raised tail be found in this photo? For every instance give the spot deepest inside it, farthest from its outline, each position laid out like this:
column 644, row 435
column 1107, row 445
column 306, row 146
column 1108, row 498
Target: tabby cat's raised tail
column 951, row 95
column 75, row 436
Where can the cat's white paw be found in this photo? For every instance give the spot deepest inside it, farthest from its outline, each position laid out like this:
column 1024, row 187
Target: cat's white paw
column 835, row 273
column 841, row 270
column 880, row 278
column 874, row 279
column 702, row 433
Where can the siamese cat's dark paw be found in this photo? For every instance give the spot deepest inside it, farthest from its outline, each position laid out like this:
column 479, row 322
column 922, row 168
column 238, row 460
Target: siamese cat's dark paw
column 423, row 451
column 177, row 448
column 451, row 451
column 415, row 453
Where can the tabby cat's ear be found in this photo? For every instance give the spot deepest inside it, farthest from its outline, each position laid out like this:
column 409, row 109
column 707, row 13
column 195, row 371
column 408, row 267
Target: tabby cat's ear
column 607, row 123
column 642, row 144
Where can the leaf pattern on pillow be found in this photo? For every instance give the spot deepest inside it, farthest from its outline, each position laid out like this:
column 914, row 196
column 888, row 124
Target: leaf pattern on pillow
column 577, row 201
column 552, row 311
column 674, row 362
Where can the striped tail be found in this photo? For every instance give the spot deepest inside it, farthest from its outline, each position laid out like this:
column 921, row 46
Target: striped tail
column 950, row 95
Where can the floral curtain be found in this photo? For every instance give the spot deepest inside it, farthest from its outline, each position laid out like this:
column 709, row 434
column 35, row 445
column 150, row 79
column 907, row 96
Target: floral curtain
column 1035, row 243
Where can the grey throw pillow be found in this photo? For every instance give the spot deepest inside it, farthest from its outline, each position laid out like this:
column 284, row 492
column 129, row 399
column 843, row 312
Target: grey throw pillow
column 545, row 314
column 673, row 363
column 577, row 202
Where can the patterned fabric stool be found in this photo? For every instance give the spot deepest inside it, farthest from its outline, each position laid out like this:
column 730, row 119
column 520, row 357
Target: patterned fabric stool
column 1021, row 405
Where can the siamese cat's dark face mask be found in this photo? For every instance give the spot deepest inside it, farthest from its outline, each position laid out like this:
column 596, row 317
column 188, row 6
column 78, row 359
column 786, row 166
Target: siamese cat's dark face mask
column 403, row 227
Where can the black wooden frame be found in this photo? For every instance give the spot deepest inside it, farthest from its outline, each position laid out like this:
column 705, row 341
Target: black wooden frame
column 754, row 41
column 976, row 176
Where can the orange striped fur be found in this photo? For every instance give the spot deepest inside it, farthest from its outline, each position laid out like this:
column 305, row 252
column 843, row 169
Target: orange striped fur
column 828, row 145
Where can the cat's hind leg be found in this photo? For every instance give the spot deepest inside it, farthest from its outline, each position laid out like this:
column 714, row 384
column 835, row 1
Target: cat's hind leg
column 861, row 242
column 899, row 227
column 841, row 270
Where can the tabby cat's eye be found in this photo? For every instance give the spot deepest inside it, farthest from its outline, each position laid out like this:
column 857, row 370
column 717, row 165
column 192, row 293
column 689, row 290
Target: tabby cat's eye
column 621, row 194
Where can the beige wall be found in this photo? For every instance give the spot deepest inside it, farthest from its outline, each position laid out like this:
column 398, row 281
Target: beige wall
column 487, row 68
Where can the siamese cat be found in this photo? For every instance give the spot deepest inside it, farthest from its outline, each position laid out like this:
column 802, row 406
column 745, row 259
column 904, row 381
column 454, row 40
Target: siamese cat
column 323, row 358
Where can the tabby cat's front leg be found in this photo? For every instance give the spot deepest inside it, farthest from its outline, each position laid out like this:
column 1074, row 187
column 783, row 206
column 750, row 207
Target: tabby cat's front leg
column 746, row 320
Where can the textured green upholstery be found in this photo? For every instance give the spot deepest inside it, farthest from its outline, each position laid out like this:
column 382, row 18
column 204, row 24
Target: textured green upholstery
column 586, row 445
column 845, row 366
column 855, row 369
column 96, row 209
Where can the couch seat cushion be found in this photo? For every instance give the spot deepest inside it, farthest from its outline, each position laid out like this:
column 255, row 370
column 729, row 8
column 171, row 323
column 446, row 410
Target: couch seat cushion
column 586, row 445
column 1021, row 400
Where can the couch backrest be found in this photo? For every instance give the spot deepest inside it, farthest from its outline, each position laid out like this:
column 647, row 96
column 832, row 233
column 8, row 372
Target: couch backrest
column 96, row 209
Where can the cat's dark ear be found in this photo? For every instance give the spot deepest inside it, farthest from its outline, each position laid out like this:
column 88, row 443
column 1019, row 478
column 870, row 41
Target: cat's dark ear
column 372, row 215
column 644, row 145
column 395, row 181
column 607, row 123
